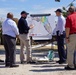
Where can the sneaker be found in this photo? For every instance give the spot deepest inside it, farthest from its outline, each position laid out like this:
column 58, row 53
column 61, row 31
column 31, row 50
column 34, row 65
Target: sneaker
column 68, row 68
column 58, row 61
column 1, row 61
column 31, row 62
column 61, row 62
column 23, row 62
column 14, row 65
column 64, row 62
column 7, row 65
column 75, row 67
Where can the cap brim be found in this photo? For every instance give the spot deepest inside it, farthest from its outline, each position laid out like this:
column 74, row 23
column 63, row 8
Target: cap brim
column 55, row 11
column 27, row 13
column 58, row 11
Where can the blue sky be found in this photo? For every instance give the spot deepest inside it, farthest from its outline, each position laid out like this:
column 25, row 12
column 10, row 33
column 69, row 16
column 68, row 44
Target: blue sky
column 31, row 6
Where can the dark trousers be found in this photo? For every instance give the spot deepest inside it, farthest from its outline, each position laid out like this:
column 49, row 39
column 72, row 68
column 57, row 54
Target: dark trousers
column 61, row 49
column 10, row 49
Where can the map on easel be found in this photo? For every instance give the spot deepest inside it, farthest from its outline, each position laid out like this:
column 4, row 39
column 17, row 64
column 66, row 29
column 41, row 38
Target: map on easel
column 43, row 24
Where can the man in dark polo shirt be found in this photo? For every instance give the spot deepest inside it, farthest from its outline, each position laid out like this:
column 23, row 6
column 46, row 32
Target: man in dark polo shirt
column 71, row 38
column 24, row 38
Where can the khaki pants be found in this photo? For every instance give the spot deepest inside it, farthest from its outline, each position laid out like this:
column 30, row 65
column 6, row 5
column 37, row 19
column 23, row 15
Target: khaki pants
column 71, row 47
column 25, row 41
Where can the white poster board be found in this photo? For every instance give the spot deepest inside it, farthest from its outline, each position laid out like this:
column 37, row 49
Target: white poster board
column 43, row 26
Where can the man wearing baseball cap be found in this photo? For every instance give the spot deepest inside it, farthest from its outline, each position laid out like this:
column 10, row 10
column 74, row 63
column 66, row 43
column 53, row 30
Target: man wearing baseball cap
column 24, row 12
column 70, row 28
column 24, row 38
column 60, row 30
column 59, row 10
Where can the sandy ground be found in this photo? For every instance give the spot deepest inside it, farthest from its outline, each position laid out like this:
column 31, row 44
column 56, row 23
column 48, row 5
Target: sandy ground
column 41, row 68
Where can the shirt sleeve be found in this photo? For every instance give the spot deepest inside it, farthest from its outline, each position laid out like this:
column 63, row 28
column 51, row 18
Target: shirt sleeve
column 68, row 24
column 15, row 28
column 60, row 24
column 25, row 25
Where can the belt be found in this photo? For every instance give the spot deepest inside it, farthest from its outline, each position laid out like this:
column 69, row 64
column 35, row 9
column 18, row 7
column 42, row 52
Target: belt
column 9, row 36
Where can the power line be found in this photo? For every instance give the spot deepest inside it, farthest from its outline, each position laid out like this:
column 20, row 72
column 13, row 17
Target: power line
column 70, row 3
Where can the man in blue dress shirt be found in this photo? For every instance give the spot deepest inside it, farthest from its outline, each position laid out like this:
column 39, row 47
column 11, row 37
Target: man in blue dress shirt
column 60, row 29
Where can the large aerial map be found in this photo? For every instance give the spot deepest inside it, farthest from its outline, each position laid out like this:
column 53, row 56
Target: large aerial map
column 44, row 21
column 42, row 25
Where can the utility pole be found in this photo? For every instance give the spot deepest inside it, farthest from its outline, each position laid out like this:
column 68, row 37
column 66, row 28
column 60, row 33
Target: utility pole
column 70, row 3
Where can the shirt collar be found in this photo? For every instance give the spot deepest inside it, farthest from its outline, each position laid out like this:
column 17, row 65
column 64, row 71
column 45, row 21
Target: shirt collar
column 60, row 16
column 9, row 19
column 73, row 13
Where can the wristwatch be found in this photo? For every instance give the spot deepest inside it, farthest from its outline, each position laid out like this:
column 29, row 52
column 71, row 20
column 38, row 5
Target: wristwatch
column 67, row 37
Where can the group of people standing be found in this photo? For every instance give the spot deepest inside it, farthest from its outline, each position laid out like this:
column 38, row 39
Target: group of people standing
column 65, row 29
column 10, row 32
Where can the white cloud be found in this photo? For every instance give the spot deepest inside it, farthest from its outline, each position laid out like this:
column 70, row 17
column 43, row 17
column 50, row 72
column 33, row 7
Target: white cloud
column 21, row 0
column 45, row 11
column 3, row 0
column 17, row 0
column 49, row 11
column 41, row 9
column 4, row 11
column 75, row 2
column 37, row 7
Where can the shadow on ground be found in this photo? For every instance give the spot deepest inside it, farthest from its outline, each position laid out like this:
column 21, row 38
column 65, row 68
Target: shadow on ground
column 47, row 70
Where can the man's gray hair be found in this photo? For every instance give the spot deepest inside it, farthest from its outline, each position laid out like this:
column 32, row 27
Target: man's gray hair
column 72, row 9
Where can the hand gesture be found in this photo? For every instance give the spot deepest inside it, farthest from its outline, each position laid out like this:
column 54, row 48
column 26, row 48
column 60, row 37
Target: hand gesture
column 31, row 26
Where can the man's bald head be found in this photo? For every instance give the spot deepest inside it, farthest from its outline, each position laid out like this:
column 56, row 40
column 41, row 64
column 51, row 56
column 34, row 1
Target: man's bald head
column 72, row 9
column 10, row 15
